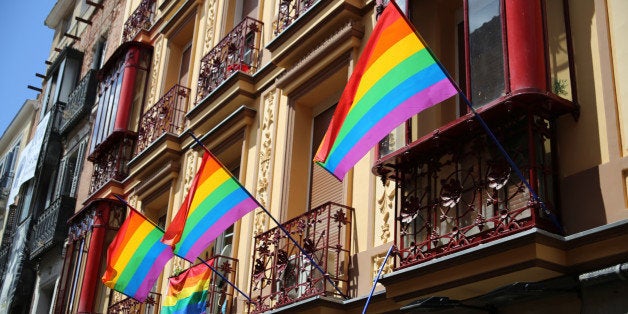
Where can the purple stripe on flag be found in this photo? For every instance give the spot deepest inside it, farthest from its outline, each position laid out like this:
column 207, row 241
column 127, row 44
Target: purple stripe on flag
column 229, row 218
column 428, row 97
column 154, row 272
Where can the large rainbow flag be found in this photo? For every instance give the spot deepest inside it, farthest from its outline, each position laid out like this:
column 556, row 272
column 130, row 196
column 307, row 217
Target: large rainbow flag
column 215, row 201
column 395, row 78
column 136, row 257
column 187, row 292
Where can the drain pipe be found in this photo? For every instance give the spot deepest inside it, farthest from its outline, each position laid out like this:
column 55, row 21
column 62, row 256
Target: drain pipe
column 619, row 271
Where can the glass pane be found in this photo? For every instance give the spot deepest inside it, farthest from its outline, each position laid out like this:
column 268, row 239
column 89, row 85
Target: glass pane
column 558, row 54
column 486, row 58
column 393, row 141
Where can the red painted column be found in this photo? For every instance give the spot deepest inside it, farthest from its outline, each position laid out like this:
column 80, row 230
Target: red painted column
column 127, row 89
column 526, row 48
column 94, row 257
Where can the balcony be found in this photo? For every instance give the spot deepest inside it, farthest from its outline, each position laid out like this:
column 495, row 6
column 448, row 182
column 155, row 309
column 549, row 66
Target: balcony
column 141, row 19
column 457, row 191
column 79, row 102
column 120, row 303
column 166, row 116
column 221, row 294
column 289, row 11
column 282, row 275
column 238, row 51
column 50, row 228
column 111, row 159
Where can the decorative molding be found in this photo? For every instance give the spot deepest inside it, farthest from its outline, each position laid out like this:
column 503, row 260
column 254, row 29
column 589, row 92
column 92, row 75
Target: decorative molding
column 179, row 265
column 209, row 26
column 190, row 169
column 385, row 207
column 152, row 96
column 262, row 192
column 377, row 263
column 132, row 200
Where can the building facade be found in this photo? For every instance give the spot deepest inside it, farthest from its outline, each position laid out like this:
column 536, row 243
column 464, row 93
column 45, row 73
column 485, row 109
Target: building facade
column 258, row 81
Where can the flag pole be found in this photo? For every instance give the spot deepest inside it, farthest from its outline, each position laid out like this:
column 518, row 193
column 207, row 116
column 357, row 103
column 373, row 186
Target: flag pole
column 379, row 273
column 200, row 259
column 325, row 275
column 490, row 133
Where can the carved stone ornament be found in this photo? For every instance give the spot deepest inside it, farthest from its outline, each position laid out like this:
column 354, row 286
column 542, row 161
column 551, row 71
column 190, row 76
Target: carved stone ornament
column 262, row 192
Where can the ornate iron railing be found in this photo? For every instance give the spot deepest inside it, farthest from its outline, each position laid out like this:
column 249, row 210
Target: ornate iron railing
column 221, row 294
column 140, row 19
column 120, row 304
column 51, row 228
column 4, row 256
column 466, row 193
column 79, row 103
column 111, row 162
column 289, row 11
column 282, row 274
column 238, row 51
column 166, row 116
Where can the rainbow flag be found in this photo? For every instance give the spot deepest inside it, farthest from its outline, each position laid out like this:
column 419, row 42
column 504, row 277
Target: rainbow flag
column 136, row 257
column 395, row 78
column 187, row 292
column 215, row 201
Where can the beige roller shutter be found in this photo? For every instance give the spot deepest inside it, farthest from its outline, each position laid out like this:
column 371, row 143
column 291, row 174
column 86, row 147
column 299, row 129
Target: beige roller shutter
column 324, row 186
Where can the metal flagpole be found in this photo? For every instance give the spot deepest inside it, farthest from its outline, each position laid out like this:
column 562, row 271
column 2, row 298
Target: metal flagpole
column 200, row 259
column 325, row 275
column 379, row 273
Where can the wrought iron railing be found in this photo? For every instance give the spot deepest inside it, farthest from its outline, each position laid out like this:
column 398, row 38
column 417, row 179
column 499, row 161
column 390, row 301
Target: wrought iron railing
column 79, row 102
column 4, row 256
column 281, row 274
column 111, row 161
column 289, row 11
column 238, row 51
column 120, row 304
column 166, row 116
column 466, row 193
column 141, row 19
column 50, row 227
column 221, row 294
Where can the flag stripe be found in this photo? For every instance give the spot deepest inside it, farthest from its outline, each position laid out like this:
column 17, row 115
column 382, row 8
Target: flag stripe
column 397, row 56
column 187, row 292
column 214, row 202
column 136, row 257
column 394, row 67
column 218, row 201
column 205, row 223
column 441, row 90
column 387, row 87
column 397, row 96
column 395, row 31
column 220, row 225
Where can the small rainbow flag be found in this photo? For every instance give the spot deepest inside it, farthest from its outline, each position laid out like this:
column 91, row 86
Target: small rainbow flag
column 395, row 78
column 187, row 292
column 136, row 257
column 216, row 200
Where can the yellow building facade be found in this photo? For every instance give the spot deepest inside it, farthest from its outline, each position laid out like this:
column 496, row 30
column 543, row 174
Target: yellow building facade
column 257, row 82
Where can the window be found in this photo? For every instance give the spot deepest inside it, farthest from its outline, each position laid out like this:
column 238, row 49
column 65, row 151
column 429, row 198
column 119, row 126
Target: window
column 486, row 57
column 98, row 58
column 70, row 170
column 115, row 113
column 62, row 77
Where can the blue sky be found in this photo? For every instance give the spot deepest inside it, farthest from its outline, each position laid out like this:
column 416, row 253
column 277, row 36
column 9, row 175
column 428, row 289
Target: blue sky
column 25, row 46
